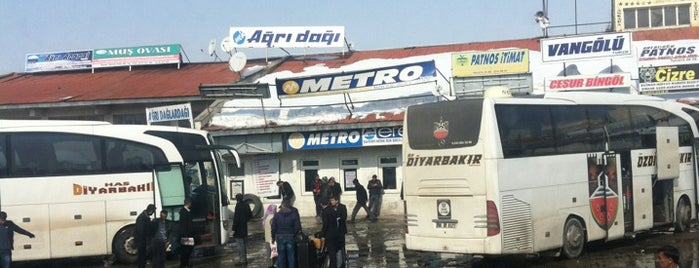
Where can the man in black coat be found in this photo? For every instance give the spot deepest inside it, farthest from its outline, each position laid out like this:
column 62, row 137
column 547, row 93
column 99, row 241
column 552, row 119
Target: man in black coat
column 7, row 238
column 285, row 225
column 361, row 201
column 286, row 192
column 142, row 234
column 186, row 231
column 334, row 230
column 241, row 216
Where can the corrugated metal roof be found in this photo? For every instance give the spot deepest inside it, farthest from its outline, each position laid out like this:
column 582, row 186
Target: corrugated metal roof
column 166, row 81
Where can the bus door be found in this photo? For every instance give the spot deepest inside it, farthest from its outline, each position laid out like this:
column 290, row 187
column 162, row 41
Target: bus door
column 627, row 192
column 170, row 193
column 667, row 162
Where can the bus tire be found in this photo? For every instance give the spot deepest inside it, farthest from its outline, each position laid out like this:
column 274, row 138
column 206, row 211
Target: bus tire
column 683, row 215
column 254, row 200
column 573, row 238
column 124, row 246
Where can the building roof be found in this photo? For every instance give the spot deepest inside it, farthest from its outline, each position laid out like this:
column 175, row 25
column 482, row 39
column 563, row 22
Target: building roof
column 167, row 81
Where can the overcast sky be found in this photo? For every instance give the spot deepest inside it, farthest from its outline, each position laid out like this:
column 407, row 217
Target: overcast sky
column 31, row 26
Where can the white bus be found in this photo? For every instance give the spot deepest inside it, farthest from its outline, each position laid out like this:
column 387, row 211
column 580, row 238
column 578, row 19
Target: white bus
column 79, row 185
column 495, row 176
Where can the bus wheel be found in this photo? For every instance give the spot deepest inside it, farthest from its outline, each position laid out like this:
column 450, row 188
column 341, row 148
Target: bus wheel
column 124, row 246
column 683, row 215
column 573, row 238
column 253, row 199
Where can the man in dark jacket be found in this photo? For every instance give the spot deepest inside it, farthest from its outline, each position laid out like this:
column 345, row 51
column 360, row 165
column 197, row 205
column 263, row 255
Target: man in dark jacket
column 361, row 201
column 286, row 192
column 285, row 225
column 142, row 234
column 160, row 240
column 241, row 216
column 334, row 189
column 334, row 230
column 186, row 233
column 7, row 234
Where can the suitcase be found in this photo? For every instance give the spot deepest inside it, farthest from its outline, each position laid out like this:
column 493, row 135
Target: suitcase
column 305, row 252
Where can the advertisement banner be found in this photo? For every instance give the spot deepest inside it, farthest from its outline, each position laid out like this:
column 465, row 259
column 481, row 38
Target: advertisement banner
column 332, row 139
column 265, row 173
column 667, row 78
column 128, row 56
column 288, row 37
column 584, row 47
column 587, row 82
column 382, row 136
column 668, row 54
column 379, row 78
column 58, row 61
column 490, row 63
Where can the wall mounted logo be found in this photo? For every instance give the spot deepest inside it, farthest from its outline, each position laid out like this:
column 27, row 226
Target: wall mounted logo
column 582, row 47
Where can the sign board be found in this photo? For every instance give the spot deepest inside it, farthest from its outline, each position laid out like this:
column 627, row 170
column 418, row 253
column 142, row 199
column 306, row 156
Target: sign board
column 129, row 56
column 668, row 53
column 170, row 113
column 490, row 62
column 58, row 61
column 662, row 79
column 353, row 138
column 584, row 47
column 288, row 37
column 587, row 82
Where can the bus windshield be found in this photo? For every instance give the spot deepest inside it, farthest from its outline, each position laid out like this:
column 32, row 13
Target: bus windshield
column 443, row 125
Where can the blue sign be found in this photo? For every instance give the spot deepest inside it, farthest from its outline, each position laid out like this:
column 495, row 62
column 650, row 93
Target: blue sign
column 356, row 81
column 44, row 62
column 324, row 140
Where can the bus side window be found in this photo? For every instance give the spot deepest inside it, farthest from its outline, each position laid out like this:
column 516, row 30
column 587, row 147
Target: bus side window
column 3, row 158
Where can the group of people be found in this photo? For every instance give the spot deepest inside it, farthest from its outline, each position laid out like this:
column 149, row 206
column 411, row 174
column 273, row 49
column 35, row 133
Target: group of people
column 375, row 199
column 157, row 232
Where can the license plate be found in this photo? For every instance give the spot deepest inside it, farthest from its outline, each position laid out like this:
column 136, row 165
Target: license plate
column 446, row 225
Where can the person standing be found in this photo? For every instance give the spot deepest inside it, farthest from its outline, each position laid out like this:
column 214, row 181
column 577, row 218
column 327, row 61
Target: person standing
column 667, row 257
column 334, row 189
column 317, row 197
column 267, row 227
column 186, row 233
column 7, row 234
column 361, row 201
column 286, row 192
column 285, row 225
column 160, row 240
column 334, row 230
column 242, row 214
column 375, row 196
column 142, row 234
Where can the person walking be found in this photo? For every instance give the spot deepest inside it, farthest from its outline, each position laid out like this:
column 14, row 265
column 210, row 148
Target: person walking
column 334, row 230
column 334, row 189
column 286, row 192
column 267, row 227
column 142, row 234
column 375, row 196
column 160, row 240
column 285, row 225
column 361, row 201
column 317, row 197
column 186, row 233
column 7, row 239
column 242, row 214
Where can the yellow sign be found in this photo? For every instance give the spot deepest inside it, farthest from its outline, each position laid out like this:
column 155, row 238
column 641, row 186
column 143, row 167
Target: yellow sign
column 494, row 62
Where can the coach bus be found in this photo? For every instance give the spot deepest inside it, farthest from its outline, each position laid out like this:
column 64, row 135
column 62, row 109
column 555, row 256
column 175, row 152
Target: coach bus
column 79, row 185
column 513, row 175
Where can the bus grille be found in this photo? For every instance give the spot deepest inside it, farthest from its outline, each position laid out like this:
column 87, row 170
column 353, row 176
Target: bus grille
column 516, row 225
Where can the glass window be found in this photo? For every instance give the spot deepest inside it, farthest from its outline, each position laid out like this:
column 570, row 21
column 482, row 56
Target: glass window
column 349, row 172
column 656, row 17
column 3, row 156
column 310, row 170
column 629, row 18
column 444, row 125
column 128, row 156
column 683, row 15
column 643, row 17
column 50, row 154
column 388, row 172
column 670, row 16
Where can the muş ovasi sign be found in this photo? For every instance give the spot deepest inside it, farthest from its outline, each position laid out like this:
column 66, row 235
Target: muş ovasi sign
column 379, row 78
column 288, row 37
column 583, row 47
column 144, row 55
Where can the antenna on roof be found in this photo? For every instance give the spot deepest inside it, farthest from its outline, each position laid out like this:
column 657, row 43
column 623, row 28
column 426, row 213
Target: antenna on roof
column 212, row 49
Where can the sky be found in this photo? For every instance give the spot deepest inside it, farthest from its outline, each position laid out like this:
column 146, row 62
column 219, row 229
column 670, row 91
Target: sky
column 33, row 26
